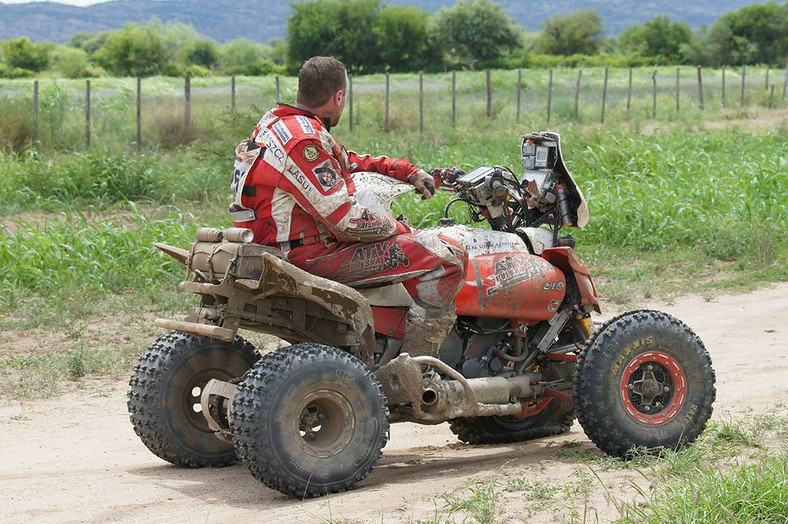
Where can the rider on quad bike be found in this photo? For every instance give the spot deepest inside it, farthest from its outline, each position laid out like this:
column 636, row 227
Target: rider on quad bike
column 294, row 189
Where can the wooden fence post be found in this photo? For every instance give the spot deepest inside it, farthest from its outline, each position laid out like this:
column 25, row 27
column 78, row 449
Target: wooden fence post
column 453, row 98
column 139, row 114
column 723, row 86
column 386, row 106
column 604, row 93
column 654, row 107
column 278, row 98
column 87, row 114
column 771, row 97
column 743, row 76
column 36, row 108
column 350, row 101
column 577, row 93
column 187, row 109
column 421, row 102
column 678, row 75
column 629, row 91
column 700, row 87
column 232, row 93
column 549, row 95
column 489, row 95
column 519, row 90
column 766, row 86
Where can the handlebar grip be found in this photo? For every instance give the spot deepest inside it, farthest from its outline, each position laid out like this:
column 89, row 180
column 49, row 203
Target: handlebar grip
column 498, row 188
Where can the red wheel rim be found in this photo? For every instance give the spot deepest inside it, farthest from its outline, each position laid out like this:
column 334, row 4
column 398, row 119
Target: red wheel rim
column 653, row 388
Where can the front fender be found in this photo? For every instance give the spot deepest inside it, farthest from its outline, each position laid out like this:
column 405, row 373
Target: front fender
column 567, row 261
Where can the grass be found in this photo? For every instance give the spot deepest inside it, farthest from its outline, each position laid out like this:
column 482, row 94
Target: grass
column 736, row 472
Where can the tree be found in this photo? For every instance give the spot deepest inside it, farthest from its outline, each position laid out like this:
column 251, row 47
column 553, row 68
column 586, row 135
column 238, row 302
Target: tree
column 133, row 51
column 755, row 33
column 70, row 62
column 405, row 40
column 577, row 33
column 23, row 54
column 657, row 38
column 343, row 29
column 476, row 33
column 244, row 57
column 203, row 53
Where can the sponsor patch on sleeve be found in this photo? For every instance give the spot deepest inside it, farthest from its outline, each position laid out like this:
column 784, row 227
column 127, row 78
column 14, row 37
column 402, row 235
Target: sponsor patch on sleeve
column 282, row 132
column 306, row 125
column 326, row 174
column 310, row 153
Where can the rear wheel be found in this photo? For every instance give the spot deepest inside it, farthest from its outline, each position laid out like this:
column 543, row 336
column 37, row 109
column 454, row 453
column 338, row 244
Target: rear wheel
column 308, row 420
column 553, row 418
column 644, row 380
column 164, row 396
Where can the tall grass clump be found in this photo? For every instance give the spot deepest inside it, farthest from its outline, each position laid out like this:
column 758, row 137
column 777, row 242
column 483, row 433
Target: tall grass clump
column 17, row 124
column 82, row 256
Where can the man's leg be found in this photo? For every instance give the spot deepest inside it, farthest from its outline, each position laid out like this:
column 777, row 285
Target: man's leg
column 431, row 267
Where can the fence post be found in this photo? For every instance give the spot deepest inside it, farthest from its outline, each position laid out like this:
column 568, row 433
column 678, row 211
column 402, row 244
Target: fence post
column 549, row 95
column 453, row 98
column 577, row 93
column 743, row 76
column 489, row 95
column 767, row 78
column 700, row 88
column 723, row 86
column 36, row 108
column 604, row 93
column 386, row 106
column 87, row 114
column 278, row 99
column 139, row 114
column 232, row 93
column 629, row 91
column 785, row 80
column 350, row 101
column 187, row 109
column 678, row 75
column 771, row 97
column 519, row 90
column 421, row 102
column 654, row 107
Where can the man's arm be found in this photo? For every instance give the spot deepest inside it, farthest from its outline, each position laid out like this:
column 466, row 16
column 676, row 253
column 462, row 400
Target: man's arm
column 399, row 168
column 313, row 177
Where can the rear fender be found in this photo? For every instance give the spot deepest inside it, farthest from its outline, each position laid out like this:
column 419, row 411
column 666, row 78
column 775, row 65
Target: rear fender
column 567, row 261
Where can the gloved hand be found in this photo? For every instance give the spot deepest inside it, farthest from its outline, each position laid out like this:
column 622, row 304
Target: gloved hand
column 423, row 182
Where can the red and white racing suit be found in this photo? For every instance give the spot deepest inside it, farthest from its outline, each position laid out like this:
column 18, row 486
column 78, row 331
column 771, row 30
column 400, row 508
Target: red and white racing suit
column 294, row 189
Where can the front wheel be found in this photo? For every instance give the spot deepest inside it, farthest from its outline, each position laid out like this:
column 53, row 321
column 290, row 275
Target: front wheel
column 308, row 420
column 643, row 381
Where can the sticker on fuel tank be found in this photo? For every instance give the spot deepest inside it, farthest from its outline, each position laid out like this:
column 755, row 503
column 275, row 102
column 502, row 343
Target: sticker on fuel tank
column 512, row 271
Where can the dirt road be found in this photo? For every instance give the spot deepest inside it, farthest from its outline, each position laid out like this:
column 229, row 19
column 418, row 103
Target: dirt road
column 76, row 458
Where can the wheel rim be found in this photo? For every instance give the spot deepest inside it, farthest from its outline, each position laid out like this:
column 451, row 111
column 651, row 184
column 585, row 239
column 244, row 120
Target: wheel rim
column 653, row 388
column 326, row 423
column 192, row 408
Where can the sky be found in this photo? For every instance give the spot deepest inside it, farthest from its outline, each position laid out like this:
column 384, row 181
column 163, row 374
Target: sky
column 70, row 2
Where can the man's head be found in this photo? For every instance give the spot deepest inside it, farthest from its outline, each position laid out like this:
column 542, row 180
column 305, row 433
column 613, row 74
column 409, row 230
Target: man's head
column 322, row 83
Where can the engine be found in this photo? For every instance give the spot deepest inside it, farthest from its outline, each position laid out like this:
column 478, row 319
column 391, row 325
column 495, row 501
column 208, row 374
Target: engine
column 480, row 347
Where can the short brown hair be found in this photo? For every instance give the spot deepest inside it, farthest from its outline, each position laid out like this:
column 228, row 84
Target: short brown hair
column 319, row 79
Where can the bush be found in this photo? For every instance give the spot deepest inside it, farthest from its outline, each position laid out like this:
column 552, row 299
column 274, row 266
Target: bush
column 17, row 123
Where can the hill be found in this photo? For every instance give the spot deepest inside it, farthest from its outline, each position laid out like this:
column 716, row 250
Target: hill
column 261, row 20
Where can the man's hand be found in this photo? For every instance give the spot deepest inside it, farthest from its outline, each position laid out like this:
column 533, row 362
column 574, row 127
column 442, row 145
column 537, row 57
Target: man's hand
column 423, row 182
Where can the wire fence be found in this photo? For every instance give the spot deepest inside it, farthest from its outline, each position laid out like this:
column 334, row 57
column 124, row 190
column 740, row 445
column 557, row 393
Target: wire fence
column 137, row 111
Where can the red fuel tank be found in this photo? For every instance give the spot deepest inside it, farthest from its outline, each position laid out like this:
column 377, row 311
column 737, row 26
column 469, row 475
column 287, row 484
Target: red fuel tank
column 511, row 285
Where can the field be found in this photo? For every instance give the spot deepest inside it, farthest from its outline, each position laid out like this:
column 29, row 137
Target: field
column 692, row 202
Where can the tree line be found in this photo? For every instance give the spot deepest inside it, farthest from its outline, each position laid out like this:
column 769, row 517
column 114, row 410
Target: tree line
column 369, row 37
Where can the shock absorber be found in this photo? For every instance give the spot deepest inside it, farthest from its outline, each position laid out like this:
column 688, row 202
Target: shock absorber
column 564, row 208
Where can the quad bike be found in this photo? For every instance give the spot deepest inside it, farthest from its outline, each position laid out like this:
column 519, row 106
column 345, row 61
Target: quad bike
column 523, row 359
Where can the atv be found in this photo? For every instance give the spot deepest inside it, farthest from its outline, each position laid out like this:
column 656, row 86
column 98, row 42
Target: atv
column 522, row 361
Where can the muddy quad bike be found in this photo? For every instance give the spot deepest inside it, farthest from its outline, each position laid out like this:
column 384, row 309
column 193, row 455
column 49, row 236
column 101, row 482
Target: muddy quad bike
column 523, row 358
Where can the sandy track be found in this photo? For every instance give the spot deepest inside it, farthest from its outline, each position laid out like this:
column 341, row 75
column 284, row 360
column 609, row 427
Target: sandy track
column 76, row 458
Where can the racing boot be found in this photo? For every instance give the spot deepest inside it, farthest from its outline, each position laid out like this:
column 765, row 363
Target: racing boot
column 426, row 328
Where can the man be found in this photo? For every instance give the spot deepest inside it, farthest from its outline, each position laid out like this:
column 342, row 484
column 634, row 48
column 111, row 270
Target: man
column 294, row 189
